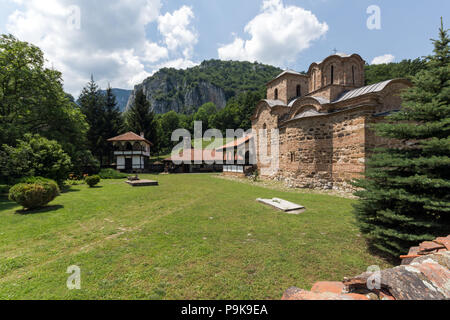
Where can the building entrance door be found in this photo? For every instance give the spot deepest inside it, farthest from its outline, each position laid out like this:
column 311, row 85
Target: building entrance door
column 128, row 164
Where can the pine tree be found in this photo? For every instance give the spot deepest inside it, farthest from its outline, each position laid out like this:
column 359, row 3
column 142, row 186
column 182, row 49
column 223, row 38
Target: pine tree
column 113, row 119
column 92, row 104
column 405, row 198
column 141, row 119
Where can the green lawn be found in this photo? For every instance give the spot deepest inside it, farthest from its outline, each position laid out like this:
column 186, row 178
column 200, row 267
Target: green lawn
column 193, row 237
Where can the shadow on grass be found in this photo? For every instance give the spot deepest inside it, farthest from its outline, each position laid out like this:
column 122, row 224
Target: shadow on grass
column 383, row 255
column 69, row 190
column 40, row 210
column 6, row 204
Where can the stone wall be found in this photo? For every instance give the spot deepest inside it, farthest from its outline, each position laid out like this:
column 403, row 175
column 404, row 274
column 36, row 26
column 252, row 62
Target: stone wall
column 287, row 87
column 323, row 152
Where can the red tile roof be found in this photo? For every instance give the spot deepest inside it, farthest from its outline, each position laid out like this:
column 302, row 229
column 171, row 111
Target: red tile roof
column 129, row 136
column 236, row 143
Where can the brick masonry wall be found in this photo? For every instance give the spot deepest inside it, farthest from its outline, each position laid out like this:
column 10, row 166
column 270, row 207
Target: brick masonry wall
column 323, row 152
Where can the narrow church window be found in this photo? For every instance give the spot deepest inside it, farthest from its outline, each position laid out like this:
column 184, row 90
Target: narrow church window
column 299, row 91
column 276, row 94
column 314, row 81
column 292, row 156
column 332, row 74
column 353, row 74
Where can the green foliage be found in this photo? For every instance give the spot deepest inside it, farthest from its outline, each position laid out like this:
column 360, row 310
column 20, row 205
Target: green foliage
column 404, row 69
column 34, row 192
column 405, row 198
column 141, row 119
column 111, row 174
column 234, row 77
column 32, row 99
column 4, row 189
column 85, row 163
column 92, row 180
column 103, row 119
column 113, row 124
column 34, row 156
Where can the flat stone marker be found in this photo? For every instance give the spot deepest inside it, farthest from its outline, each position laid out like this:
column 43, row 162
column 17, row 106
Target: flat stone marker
column 283, row 205
column 142, row 183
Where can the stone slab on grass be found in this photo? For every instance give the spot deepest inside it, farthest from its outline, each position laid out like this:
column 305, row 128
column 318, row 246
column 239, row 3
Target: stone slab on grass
column 283, row 205
column 142, row 183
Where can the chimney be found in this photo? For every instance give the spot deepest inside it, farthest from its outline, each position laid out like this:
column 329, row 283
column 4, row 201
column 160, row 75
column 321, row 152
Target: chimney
column 142, row 135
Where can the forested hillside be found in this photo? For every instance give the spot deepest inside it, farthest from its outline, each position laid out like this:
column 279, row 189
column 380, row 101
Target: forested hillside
column 184, row 91
column 404, row 69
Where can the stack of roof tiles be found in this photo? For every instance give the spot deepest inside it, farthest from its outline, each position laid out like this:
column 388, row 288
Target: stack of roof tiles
column 423, row 275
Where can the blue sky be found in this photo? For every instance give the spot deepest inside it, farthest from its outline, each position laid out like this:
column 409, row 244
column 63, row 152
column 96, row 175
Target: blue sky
column 123, row 44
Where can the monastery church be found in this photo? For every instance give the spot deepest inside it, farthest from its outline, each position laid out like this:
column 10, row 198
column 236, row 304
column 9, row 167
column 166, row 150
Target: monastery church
column 324, row 119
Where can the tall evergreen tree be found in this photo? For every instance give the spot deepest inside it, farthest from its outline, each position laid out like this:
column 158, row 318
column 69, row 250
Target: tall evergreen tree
column 140, row 118
column 92, row 104
column 113, row 119
column 405, row 198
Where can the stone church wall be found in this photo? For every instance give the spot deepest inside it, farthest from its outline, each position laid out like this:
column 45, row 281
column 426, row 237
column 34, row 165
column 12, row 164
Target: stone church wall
column 323, row 152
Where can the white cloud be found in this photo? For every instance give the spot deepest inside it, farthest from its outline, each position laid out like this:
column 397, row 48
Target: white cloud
column 111, row 42
column 176, row 30
column 180, row 63
column 387, row 58
column 277, row 35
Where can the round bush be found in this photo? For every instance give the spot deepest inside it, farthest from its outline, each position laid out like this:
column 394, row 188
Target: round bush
column 34, row 193
column 111, row 174
column 92, row 180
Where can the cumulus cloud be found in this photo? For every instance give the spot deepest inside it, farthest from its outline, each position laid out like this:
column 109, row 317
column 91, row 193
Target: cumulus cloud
column 110, row 42
column 277, row 35
column 387, row 58
column 176, row 30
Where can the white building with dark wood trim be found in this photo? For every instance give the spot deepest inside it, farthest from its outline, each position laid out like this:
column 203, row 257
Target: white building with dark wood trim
column 132, row 152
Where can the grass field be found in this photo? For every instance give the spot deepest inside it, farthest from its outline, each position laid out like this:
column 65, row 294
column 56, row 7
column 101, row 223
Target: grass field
column 193, row 237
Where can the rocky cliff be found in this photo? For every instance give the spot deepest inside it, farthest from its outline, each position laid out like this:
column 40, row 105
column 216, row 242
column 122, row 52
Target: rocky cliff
column 122, row 97
column 184, row 91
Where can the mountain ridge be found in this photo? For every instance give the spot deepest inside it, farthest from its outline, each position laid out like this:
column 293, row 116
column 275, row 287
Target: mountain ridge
column 185, row 90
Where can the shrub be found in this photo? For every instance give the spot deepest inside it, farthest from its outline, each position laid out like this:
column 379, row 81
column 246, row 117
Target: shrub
column 74, row 182
column 34, row 156
column 34, row 192
column 92, row 180
column 111, row 174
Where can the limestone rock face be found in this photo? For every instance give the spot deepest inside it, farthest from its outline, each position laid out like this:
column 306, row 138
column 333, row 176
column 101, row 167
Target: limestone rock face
column 185, row 90
column 166, row 94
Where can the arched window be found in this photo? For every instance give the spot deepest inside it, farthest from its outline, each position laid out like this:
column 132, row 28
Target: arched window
column 128, row 147
column 332, row 74
column 299, row 91
column 276, row 94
